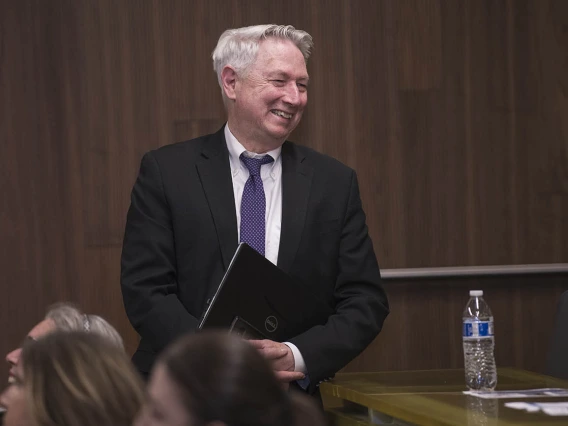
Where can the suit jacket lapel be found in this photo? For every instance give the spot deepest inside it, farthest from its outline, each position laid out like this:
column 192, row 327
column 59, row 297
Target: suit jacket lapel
column 296, row 184
column 215, row 173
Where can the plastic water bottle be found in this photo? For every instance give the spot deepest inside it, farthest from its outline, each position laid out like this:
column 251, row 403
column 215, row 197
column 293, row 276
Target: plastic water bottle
column 481, row 411
column 478, row 344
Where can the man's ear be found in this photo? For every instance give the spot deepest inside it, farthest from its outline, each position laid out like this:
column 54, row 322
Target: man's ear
column 229, row 81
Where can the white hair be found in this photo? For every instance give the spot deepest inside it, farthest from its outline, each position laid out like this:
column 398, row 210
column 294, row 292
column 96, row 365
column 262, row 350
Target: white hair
column 67, row 317
column 238, row 47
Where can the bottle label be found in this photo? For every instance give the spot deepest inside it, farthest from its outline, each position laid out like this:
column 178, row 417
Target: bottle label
column 478, row 329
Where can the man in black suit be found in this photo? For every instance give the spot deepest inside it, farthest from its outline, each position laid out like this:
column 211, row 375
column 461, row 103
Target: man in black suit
column 194, row 201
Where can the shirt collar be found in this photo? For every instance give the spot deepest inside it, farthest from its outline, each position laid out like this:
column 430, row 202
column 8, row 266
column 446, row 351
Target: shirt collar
column 236, row 149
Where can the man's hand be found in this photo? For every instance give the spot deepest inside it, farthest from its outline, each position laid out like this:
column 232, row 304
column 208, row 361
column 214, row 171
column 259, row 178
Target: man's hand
column 280, row 357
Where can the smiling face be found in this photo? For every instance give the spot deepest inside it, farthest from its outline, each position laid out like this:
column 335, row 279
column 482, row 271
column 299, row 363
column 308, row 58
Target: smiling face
column 14, row 400
column 267, row 102
column 41, row 329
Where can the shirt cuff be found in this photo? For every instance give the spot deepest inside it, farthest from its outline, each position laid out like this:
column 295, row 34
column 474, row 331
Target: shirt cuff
column 299, row 364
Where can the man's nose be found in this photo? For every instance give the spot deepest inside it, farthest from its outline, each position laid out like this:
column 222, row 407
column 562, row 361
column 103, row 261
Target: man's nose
column 293, row 95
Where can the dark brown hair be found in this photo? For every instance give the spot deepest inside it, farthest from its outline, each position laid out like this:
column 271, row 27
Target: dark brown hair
column 223, row 378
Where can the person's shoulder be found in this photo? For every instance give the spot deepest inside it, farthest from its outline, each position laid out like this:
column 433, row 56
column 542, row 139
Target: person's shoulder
column 189, row 148
column 317, row 159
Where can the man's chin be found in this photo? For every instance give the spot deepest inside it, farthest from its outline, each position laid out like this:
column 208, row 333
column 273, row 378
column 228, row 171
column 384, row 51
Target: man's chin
column 280, row 133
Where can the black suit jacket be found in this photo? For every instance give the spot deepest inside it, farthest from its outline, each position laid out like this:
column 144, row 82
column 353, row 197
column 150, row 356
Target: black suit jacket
column 181, row 234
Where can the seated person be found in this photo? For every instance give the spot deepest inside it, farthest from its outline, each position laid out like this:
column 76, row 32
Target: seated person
column 217, row 379
column 66, row 317
column 73, row 378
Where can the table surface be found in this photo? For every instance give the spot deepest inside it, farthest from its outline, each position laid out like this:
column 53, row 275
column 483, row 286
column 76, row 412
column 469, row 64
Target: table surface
column 435, row 397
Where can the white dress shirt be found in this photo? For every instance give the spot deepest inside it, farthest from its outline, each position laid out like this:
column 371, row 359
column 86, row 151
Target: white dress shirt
column 271, row 175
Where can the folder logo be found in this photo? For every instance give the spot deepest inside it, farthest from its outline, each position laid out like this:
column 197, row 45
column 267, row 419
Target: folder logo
column 271, row 324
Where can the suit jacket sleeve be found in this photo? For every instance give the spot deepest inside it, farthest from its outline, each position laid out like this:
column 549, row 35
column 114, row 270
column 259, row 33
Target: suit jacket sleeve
column 361, row 303
column 148, row 264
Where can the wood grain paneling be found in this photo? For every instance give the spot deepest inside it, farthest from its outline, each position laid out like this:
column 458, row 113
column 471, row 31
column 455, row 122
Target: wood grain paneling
column 189, row 129
column 423, row 330
column 452, row 112
column 418, row 44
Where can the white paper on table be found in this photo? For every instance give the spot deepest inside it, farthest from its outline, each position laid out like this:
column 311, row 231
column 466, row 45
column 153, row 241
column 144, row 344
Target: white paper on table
column 525, row 393
column 549, row 408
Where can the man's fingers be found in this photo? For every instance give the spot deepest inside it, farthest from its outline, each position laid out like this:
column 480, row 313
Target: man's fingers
column 269, row 349
column 259, row 344
column 289, row 376
column 281, row 358
column 282, row 364
column 274, row 353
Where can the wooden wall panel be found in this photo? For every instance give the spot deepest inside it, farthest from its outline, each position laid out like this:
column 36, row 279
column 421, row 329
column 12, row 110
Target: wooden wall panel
column 189, row 129
column 418, row 44
column 452, row 112
column 423, row 330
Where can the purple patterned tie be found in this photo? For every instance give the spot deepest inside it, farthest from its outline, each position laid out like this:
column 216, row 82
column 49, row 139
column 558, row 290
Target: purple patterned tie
column 253, row 205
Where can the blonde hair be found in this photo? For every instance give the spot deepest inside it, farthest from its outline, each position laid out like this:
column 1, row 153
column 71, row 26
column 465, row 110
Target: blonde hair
column 67, row 317
column 76, row 378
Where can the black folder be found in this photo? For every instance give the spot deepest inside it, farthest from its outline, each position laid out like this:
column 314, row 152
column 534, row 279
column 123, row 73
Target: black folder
column 257, row 300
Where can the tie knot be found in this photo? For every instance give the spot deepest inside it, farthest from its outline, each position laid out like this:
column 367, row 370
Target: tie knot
column 253, row 164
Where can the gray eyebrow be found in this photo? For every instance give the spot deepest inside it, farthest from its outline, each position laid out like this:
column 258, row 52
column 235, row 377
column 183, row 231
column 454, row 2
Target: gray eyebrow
column 285, row 74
